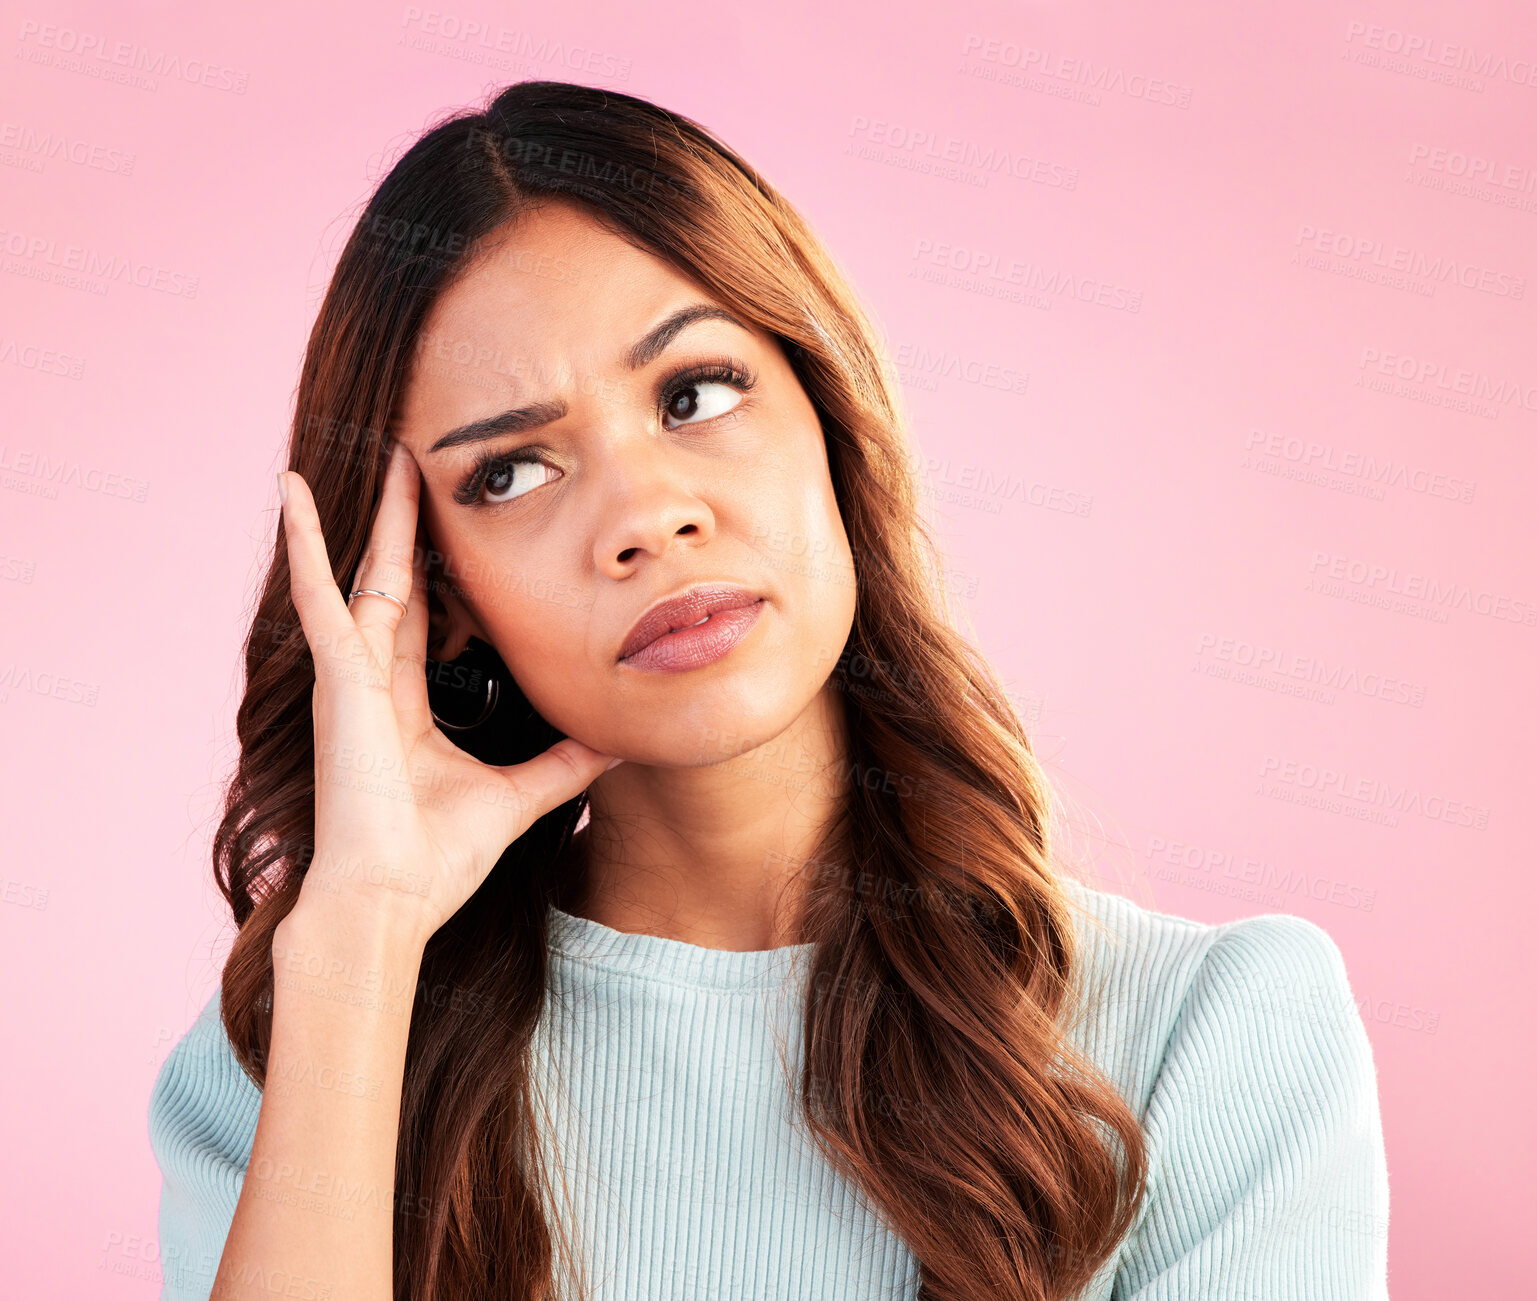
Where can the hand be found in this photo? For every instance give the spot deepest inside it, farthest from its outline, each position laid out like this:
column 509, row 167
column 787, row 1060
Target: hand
column 407, row 825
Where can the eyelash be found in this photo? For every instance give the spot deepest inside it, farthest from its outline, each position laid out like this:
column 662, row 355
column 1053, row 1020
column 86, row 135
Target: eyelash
column 726, row 370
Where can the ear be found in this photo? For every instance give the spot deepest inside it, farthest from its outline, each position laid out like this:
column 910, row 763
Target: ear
column 450, row 622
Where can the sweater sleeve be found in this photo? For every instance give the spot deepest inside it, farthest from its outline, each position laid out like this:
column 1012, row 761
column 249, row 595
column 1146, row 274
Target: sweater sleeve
column 202, row 1120
column 1269, row 1176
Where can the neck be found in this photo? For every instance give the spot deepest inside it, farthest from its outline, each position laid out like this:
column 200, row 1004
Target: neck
column 719, row 855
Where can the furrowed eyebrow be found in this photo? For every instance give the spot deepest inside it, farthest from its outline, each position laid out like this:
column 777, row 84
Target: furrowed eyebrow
column 647, row 349
column 508, row 422
column 640, row 353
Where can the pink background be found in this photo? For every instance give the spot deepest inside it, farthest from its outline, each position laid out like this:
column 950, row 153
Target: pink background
column 1289, row 420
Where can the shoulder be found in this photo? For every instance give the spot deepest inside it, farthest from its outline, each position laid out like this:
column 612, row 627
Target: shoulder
column 202, row 1122
column 1241, row 1048
column 201, row 1095
column 1150, row 980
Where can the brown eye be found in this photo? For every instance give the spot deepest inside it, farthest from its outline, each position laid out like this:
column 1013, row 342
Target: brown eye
column 503, row 483
column 703, row 400
column 682, row 406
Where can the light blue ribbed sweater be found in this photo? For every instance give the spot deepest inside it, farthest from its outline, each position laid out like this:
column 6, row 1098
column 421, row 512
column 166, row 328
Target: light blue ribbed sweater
column 682, row 1171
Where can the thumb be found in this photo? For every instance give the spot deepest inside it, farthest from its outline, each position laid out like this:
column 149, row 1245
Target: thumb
column 548, row 780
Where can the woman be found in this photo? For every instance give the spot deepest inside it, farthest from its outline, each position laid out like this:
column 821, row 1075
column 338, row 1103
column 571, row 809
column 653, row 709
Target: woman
column 642, row 890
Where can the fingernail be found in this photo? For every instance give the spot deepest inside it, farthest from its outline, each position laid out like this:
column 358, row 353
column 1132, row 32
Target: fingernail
column 612, row 763
column 283, row 487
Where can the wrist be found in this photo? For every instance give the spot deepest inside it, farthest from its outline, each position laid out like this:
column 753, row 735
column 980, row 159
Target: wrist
column 383, row 930
column 363, row 966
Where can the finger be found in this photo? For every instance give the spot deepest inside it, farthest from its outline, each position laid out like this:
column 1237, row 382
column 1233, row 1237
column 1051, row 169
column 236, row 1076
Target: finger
column 386, row 564
column 548, row 780
column 410, row 673
column 312, row 585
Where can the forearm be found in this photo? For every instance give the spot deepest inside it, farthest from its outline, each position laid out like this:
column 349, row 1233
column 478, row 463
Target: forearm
column 315, row 1215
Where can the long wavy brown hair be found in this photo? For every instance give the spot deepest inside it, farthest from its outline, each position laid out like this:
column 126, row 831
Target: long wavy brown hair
column 938, row 1076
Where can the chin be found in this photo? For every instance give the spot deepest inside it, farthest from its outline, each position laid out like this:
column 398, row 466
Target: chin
column 710, row 732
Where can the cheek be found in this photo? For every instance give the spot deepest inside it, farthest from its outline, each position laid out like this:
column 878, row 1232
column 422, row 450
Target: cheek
column 820, row 539
column 541, row 631
column 518, row 592
column 803, row 540
column 789, row 499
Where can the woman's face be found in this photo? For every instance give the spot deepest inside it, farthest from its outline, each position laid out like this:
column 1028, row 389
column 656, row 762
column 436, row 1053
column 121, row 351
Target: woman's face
column 625, row 480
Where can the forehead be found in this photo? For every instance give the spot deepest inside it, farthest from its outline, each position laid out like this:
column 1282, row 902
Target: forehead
column 550, row 296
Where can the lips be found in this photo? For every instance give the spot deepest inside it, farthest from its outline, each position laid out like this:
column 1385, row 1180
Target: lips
column 683, row 611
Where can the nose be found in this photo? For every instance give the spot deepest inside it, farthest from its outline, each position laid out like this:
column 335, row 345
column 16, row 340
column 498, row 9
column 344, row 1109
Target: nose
column 650, row 502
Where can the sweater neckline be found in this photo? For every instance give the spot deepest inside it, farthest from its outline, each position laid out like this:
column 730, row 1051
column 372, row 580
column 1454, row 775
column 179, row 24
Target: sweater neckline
column 667, row 961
